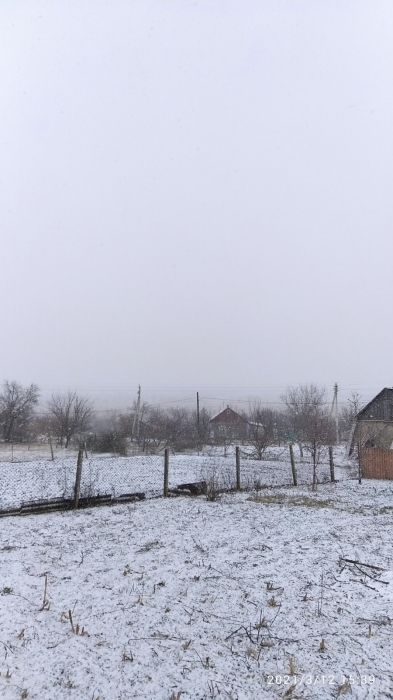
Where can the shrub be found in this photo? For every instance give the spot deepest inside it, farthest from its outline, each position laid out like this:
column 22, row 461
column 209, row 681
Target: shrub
column 110, row 441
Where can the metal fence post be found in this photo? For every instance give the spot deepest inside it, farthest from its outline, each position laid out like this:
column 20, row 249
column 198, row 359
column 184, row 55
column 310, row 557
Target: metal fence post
column 166, row 471
column 294, row 475
column 238, row 485
column 78, row 477
column 331, row 462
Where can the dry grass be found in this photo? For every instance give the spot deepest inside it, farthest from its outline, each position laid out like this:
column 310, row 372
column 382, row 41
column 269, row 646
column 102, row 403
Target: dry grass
column 76, row 629
column 252, row 653
column 279, row 499
column 343, row 688
column 275, row 498
column 213, row 492
column 148, row 546
column 385, row 510
column 292, row 667
column 272, row 603
column 45, row 602
column 6, row 590
column 261, row 624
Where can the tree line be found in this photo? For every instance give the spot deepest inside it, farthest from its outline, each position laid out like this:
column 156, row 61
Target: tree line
column 67, row 415
column 304, row 417
column 72, row 419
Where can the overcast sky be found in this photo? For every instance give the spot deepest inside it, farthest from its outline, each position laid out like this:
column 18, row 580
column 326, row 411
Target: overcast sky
column 197, row 195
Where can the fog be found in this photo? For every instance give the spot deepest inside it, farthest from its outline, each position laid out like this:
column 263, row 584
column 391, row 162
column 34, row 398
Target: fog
column 196, row 196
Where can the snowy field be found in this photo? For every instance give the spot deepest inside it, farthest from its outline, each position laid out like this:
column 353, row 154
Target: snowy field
column 45, row 479
column 24, row 452
column 184, row 598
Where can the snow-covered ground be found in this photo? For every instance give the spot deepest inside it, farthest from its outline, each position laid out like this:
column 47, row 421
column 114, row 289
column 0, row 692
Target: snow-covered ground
column 184, row 598
column 25, row 452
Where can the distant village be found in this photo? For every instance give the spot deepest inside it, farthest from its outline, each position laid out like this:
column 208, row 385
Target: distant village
column 305, row 418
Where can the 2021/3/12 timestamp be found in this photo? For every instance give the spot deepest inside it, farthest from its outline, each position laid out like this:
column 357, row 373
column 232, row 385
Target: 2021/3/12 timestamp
column 328, row 679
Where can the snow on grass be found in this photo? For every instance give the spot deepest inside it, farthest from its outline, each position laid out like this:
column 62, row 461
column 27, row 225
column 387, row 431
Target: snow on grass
column 183, row 598
column 25, row 452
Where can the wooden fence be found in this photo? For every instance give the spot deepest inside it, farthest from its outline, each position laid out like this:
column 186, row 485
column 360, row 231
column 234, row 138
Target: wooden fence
column 376, row 463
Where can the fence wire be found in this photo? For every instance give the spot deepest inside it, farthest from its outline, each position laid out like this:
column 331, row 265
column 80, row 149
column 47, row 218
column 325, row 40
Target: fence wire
column 114, row 477
column 40, row 480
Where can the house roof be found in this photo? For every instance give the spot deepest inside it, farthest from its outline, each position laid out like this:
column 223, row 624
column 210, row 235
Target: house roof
column 388, row 394
column 227, row 415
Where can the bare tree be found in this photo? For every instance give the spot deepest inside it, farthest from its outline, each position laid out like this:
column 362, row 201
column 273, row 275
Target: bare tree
column 181, row 428
column 261, row 427
column 173, row 427
column 152, row 431
column 40, row 428
column 348, row 413
column 302, row 404
column 70, row 414
column 16, row 409
column 318, row 433
column 127, row 419
column 112, row 432
column 310, row 421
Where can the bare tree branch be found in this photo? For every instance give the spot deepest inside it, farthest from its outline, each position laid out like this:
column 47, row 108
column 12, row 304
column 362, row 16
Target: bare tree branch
column 70, row 414
column 16, row 409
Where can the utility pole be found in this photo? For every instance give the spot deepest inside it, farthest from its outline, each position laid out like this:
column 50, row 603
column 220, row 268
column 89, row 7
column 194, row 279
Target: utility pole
column 135, row 425
column 198, row 427
column 334, row 411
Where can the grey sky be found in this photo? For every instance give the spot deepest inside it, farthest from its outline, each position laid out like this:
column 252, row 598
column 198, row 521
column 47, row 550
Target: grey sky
column 197, row 194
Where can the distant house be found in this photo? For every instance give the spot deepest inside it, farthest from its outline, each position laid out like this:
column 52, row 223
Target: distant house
column 227, row 424
column 372, row 434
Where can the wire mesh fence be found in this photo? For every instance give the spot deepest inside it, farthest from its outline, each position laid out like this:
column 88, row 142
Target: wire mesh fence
column 38, row 480
column 109, row 479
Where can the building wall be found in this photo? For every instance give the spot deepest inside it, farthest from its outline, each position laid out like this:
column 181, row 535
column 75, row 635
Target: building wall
column 230, row 430
column 376, row 463
column 373, row 433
